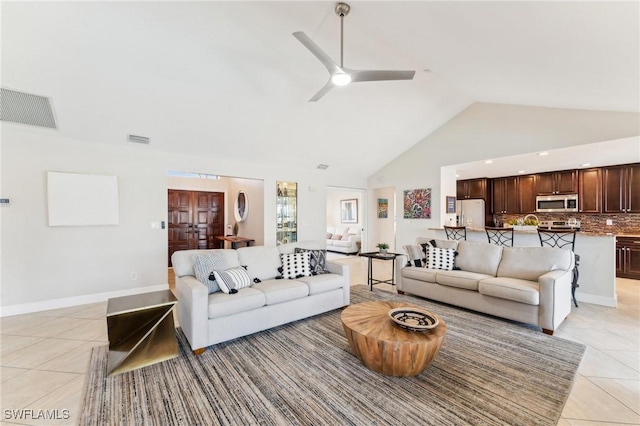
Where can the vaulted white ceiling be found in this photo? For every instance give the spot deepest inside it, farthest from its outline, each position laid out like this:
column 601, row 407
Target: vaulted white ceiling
column 228, row 80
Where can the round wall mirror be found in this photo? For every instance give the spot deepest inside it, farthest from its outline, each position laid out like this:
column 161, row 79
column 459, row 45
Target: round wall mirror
column 241, row 207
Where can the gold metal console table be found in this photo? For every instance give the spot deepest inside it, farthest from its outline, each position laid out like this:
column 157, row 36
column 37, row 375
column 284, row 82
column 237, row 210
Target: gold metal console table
column 141, row 330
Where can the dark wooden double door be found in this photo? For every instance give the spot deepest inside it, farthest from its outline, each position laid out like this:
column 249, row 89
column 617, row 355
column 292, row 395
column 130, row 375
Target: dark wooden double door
column 195, row 219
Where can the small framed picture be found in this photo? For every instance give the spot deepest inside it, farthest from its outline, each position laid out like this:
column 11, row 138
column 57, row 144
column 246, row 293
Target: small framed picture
column 451, row 204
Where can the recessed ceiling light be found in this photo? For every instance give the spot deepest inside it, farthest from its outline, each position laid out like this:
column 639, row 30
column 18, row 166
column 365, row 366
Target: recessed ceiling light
column 585, row 164
column 322, row 166
column 543, row 153
column 488, row 161
column 520, row 172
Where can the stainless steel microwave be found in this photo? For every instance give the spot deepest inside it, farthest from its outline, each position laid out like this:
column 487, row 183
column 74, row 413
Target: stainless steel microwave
column 557, row 203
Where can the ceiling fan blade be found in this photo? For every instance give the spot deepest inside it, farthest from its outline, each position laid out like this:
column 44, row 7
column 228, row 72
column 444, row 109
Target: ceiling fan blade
column 376, row 75
column 322, row 91
column 317, row 52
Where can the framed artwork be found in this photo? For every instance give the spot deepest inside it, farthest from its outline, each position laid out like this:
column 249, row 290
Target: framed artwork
column 451, row 204
column 417, row 204
column 383, row 208
column 349, row 211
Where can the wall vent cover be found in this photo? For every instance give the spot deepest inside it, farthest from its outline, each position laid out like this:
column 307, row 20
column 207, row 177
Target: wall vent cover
column 25, row 108
column 138, row 139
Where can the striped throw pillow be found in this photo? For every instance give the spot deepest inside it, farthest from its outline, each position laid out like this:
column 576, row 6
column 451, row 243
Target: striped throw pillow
column 438, row 258
column 234, row 278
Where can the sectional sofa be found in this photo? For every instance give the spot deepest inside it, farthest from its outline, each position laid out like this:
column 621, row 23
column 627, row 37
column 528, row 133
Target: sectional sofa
column 208, row 316
column 526, row 284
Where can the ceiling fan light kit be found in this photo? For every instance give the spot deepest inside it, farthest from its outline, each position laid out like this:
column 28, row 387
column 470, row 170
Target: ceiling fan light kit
column 338, row 74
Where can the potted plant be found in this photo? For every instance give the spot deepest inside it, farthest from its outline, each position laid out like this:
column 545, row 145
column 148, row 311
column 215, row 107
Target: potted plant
column 235, row 229
column 382, row 247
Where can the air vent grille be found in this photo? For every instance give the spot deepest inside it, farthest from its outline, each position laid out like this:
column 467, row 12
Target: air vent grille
column 25, row 108
column 138, row 139
column 322, row 166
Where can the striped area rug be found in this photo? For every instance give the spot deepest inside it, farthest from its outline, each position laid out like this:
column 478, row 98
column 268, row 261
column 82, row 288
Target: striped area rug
column 488, row 372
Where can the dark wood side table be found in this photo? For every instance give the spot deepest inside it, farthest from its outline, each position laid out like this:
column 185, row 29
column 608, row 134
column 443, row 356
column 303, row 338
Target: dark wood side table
column 235, row 240
column 382, row 256
column 141, row 330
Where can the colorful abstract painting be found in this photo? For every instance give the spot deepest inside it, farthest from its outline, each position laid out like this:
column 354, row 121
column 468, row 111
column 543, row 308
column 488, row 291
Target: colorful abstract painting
column 383, row 208
column 417, row 204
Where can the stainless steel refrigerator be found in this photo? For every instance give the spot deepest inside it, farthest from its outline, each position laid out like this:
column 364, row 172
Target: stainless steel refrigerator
column 470, row 213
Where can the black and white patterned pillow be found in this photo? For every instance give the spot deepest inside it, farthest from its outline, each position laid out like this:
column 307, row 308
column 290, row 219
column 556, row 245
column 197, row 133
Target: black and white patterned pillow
column 204, row 264
column 415, row 254
column 296, row 265
column 234, row 278
column 438, row 258
column 317, row 261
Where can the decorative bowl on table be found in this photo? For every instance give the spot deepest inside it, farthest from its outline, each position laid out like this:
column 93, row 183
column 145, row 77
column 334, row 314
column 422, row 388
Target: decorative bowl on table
column 413, row 319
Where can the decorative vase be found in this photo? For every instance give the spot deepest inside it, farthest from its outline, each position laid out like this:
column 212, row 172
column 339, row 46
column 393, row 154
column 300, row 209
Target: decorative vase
column 383, row 251
column 235, row 229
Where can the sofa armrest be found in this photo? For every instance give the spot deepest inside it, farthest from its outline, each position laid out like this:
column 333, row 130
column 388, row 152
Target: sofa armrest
column 341, row 269
column 401, row 262
column 193, row 306
column 555, row 298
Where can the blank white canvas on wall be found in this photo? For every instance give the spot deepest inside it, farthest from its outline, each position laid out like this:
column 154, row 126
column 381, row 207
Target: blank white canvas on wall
column 76, row 199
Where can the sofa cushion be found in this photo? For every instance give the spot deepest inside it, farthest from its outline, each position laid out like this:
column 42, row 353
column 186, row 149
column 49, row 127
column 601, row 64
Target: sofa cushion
column 322, row 283
column 296, row 265
column 460, row 279
column 205, row 262
column 421, row 274
column 438, row 243
column 232, row 279
column 529, row 263
column 317, row 261
column 437, row 258
column 522, row 291
column 262, row 262
column 223, row 304
column 482, row 258
column 341, row 243
column 278, row 291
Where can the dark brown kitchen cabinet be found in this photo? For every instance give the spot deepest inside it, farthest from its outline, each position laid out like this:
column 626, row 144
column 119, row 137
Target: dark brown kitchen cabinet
column 505, row 195
column 621, row 189
column 628, row 257
column 527, row 193
column 472, row 188
column 563, row 182
column 590, row 190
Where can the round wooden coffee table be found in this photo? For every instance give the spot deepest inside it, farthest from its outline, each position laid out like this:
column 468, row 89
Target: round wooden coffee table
column 384, row 347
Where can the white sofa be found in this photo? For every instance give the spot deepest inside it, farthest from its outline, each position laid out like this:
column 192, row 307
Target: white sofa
column 207, row 319
column 345, row 240
column 526, row 284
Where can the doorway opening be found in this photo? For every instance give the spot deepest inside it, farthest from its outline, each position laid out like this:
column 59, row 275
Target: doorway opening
column 346, row 220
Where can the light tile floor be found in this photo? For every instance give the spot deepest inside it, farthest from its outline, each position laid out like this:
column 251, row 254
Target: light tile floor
column 44, row 357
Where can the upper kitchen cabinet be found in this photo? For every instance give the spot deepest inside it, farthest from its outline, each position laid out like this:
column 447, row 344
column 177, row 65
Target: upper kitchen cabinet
column 527, row 193
column 590, row 194
column 563, row 182
column 621, row 189
column 472, row 188
column 505, row 195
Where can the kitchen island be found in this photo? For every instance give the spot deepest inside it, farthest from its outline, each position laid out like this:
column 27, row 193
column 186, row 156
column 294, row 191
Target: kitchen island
column 597, row 264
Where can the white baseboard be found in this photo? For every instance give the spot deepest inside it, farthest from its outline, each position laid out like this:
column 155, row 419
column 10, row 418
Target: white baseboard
column 45, row 305
column 610, row 302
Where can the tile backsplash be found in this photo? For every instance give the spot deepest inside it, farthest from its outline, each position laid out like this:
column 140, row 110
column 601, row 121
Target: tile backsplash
column 623, row 223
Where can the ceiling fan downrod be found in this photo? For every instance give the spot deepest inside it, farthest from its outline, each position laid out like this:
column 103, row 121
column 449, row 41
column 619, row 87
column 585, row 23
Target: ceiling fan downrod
column 342, row 10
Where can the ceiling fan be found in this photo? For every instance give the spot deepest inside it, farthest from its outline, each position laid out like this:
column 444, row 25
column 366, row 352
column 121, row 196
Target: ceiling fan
column 339, row 75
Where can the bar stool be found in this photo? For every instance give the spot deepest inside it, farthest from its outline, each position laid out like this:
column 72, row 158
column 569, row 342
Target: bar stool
column 562, row 238
column 456, row 232
column 500, row 236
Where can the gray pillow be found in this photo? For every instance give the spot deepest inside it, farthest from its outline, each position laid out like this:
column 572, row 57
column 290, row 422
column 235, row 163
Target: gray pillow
column 317, row 261
column 205, row 263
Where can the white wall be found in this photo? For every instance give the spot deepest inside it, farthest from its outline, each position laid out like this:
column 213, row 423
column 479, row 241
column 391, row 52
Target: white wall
column 492, row 131
column 45, row 267
column 334, row 212
column 383, row 230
